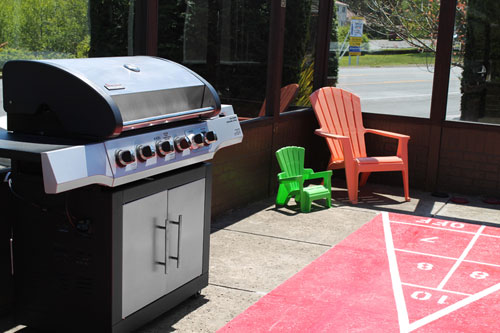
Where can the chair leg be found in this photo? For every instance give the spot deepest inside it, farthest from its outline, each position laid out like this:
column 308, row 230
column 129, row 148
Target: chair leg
column 352, row 185
column 406, row 184
column 282, row 196
column 305, row 203
column 364, row 178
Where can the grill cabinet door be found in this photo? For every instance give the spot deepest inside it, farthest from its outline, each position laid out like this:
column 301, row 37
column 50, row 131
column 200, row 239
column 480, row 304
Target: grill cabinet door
column 151, row 237
column 185, row 204
column 144, row 279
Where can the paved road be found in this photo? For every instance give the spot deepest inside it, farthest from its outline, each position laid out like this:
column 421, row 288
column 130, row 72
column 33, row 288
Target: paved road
column 398, row 90
column 390, row 90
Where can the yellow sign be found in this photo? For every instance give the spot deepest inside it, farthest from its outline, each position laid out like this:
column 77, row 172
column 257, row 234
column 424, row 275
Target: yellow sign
column 356, row 34
column 355, row 41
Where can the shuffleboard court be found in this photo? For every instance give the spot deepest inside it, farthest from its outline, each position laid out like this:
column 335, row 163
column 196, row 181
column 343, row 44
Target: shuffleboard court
column 398, row 273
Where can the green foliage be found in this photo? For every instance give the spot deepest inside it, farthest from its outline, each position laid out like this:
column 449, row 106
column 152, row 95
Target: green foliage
column 83, row 48
column 44, row 25
column 333, row 61
column 109, row 27
column 10, row 53
column 172, row 16
column 481, row 58
column 297, row 33
column 305, row 82
column 383, row 60
column 343, row 31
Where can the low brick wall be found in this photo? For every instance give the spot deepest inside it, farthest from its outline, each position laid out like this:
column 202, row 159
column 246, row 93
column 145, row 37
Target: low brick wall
column 469, row 156
column 470, row 161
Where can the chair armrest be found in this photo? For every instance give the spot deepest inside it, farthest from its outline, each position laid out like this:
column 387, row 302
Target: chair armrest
column 307, row 172
column 325, row 134
column 326, row 175
column 283, row 179
column 345, row 142
column 402, row 141
column 387, row 134
column 319, row 174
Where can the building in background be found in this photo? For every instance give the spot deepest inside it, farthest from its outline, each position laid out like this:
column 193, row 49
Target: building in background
column 342, row 13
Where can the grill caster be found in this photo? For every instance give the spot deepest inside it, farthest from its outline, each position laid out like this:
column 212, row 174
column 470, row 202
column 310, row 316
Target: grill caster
column 196, row 295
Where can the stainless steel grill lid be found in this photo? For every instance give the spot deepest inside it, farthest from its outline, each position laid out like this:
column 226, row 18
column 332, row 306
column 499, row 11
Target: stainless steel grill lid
column 101, row 97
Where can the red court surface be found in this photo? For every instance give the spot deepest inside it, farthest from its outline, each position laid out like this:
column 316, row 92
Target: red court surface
column 397, row 273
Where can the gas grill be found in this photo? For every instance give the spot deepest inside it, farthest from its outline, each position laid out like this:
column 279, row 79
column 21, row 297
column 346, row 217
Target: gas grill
column 112, row 188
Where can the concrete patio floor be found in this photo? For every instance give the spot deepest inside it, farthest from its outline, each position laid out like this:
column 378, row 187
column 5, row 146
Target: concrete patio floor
column 255, row 249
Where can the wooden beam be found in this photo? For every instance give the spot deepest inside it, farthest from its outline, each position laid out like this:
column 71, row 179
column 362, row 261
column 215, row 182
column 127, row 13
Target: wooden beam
column 152, row 28
column 324, row 29
column 275, row 57
column 440, row 88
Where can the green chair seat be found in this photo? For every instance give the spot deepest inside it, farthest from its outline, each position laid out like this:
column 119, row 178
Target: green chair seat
column 291, row 180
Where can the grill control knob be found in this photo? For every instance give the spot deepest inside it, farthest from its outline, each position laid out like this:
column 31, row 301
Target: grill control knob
column 124, row 157
column 145, row 152
column 182, row 143
column 210, row 137
column 197, row 140
column 164, row 147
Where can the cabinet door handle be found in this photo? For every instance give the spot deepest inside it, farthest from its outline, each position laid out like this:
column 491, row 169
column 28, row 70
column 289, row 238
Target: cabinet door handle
column 179, row 228
column 164, row 263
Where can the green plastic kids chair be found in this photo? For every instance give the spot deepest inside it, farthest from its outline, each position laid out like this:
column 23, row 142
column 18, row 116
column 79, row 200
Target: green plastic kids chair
column 291, row 180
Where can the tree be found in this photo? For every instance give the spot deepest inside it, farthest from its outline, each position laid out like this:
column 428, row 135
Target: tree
column 44, row 25
column 480, row 83
column 415, row 21
column 109, row 27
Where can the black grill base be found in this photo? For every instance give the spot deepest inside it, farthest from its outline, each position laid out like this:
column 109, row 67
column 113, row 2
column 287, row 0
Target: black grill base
column 68, row 254
column 6, row 281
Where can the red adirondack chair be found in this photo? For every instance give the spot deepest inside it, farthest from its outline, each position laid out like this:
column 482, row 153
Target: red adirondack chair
column 339, row 116
column 287, row 94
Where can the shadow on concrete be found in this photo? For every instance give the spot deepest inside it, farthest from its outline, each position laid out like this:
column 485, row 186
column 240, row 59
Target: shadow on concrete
column 165, row 322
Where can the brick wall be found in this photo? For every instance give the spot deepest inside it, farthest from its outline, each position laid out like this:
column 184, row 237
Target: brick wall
column 418, row 147
column 241, row 172
column 247, row 172
column 470, row 161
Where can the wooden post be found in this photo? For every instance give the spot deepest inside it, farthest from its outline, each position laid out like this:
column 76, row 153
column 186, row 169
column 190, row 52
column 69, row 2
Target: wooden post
column 152, row 28
column 146, row 27
column 275, row 57
column 324, row 29
column 440, row 88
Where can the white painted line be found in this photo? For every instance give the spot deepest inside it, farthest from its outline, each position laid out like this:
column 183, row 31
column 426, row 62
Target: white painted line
column 397, row 287
column 15, row 329
column 443, row 290
column 448, row 229
column 398, row 293
column 426, row 254
column 450, row 258
column 481, row 263
column 460, row 304
column 461, row 258
column 492, row 236
column 439, row 228
column 402, row 96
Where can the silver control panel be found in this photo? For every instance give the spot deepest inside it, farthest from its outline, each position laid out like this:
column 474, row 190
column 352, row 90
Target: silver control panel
column 126, row 159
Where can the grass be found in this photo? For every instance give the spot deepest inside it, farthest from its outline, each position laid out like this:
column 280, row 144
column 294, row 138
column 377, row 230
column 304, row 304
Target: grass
column 381, row 60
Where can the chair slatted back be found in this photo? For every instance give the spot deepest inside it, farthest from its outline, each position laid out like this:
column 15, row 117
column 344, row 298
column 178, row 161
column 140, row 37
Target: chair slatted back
column 291, row 160
column 339, row 112
column 287, row 94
